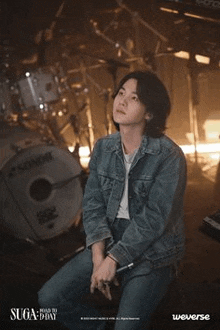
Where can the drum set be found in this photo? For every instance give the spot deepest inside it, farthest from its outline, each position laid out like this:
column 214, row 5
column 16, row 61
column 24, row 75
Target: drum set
column 41, row 187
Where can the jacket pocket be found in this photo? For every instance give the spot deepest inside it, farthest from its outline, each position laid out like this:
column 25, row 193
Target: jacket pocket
column 141, row 188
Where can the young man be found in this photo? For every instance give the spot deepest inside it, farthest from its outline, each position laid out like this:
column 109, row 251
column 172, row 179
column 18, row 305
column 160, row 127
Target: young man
column 132, row 213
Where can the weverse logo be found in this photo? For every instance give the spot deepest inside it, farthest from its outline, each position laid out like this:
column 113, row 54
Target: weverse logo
column 191, row 317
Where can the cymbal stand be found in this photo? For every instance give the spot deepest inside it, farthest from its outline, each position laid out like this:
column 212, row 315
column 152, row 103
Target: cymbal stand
column 131, row 57
column 88, row 107
column 116, row 44
column 113, row 68
column 104, row 93
column 136, row 16
column 137, row 20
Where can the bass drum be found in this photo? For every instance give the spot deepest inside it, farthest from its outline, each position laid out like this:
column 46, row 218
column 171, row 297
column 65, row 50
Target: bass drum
column 41, row 191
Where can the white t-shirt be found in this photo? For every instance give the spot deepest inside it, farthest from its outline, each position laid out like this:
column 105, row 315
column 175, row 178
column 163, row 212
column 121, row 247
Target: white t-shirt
column 123, row 211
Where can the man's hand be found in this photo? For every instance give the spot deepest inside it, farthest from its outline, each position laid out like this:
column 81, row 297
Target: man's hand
column 102, row 276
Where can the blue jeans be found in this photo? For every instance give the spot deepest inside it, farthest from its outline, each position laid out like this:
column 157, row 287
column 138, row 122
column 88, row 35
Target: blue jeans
column 142, row 290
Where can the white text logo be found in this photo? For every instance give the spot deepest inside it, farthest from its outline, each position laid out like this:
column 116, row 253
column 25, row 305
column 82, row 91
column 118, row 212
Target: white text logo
column 192, row 317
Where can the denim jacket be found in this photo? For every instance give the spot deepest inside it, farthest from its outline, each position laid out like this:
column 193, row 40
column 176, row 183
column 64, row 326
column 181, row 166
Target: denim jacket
column 156, row 187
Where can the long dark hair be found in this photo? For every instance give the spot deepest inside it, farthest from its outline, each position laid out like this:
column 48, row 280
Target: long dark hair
column 153, row 94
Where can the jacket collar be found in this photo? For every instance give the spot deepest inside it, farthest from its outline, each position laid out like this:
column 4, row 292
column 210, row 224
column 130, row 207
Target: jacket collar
column 149, row 145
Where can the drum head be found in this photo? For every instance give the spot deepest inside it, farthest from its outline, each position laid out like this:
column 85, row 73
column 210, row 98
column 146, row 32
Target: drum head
column 42, row 193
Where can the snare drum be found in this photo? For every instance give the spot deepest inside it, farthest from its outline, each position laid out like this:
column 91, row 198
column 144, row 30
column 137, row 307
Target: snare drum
column 41, row 193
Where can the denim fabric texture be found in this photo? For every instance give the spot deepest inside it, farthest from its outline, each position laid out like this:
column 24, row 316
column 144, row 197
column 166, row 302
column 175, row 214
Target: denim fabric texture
column 157, row 181
column 142, row 289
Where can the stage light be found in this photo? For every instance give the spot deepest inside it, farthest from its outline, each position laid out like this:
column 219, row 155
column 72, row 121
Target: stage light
column 182, row 54
column 201, row 148
column 202, row 59
column 84, row 154
column 199, row 58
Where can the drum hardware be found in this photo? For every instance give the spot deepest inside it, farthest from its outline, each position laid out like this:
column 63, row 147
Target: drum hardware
column 116, row 45
column 137, row 18
column 148, row 59
column 45, row 123
column 95, row 66
column 75, row 124
column 55, row 129
column 103, row 93
column 112, row 68
column 72, row 121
